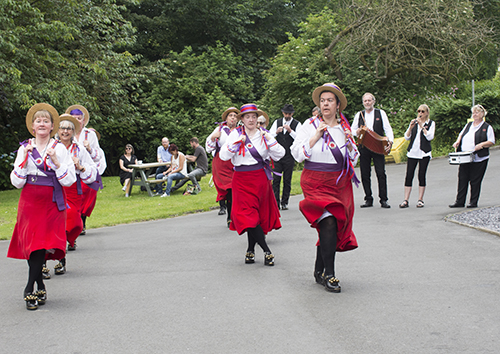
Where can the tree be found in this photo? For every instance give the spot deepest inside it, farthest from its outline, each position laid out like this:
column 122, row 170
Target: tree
column 435, row 38
column 63, row 60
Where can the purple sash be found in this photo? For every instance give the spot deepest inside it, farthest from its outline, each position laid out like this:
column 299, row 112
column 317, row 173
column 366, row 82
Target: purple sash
column 51, row 181
column 322, row 167
column 260, row 161
column 217, row 141
column 337, row 154
column 97, row 184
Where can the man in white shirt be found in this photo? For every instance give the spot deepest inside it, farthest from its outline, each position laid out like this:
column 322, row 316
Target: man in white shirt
column 284, row 130
column 376, row 120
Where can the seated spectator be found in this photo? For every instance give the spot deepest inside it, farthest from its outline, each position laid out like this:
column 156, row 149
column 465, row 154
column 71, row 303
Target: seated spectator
column 128, row 158
column 200, row 157
column 176, row 171
column 163, row 155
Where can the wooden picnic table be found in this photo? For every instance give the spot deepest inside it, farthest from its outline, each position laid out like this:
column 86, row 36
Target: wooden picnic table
column 143, row 170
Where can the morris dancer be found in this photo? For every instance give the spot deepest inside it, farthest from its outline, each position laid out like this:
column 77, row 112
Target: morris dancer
column 42, row 167
column 222, row 171
column 86, row 172
column 88, row 138
column 329, row 153
column 255, row 210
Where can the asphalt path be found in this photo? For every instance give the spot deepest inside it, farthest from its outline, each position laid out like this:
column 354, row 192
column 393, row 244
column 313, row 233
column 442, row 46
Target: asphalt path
column 416, row 284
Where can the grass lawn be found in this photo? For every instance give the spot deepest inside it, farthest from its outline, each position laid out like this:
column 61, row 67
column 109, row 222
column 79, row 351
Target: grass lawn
column 112, row 208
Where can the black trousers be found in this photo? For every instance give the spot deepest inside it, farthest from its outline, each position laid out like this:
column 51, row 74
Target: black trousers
column 365, row 164
column 284, row 166
column 470, row 173
column 411, row 166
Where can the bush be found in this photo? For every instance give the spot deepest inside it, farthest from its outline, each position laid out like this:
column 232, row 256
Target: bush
column 6, row 166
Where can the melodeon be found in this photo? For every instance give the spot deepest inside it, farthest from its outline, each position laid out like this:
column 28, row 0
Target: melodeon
column 458, row 158
column 372, row 141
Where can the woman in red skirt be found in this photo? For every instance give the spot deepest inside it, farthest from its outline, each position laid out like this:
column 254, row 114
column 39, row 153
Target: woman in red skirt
column 325, row 145
column 42, row 167
column 86, row 173
column 222, row 171
column 89, row 139
column 255, row 210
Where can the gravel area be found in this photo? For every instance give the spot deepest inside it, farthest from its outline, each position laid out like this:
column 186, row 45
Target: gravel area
column 484, row 218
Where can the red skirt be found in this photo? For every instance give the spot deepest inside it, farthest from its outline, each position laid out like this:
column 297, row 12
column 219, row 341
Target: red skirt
column 321, row 192
column 253, row 202
column 222, row 172
column 74, row 223
column 89, row 199
column 40, row 225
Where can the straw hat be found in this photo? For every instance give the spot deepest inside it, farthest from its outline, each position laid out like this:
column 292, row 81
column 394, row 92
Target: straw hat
column 69, row 117
column 330, row 87
column 40, row 107
column 96, row 133
column 266, row 117
column 86, row 116
column 229, row 110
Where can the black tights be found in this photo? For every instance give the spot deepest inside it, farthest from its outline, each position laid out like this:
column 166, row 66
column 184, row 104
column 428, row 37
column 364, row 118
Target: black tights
column 84, row 220
column 256, row 235
column 325, row 252
column 229, row 203
column 35, row 263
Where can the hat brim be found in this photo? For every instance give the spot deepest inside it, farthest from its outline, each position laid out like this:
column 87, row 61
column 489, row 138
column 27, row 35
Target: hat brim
column 334, row 89
column 265, row 116
column 86, row 116
column 69, row 117
column 40, row 107
column 258, row 112
column 96, row 133
column 227, row 111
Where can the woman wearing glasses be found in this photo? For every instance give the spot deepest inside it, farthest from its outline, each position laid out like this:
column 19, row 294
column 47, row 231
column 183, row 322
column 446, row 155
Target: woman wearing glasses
column 477, row 136
column 420, row 132
column 128, row 158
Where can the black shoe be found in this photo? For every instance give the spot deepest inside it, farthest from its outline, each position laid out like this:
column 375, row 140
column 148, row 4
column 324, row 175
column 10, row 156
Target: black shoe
column 59, row 269
column 249, row 257
column 269, row 259
column 84, row 231
column 45, row 273
column 72, row 248
column 367, row 205
column 229, row 223
column 456, row 205
column 472, row 206
column 318, row 276
column 222, row 211
column 42, row 296
column 332, row 284
column 31, row 301
column 384, row 204
column 284, row 206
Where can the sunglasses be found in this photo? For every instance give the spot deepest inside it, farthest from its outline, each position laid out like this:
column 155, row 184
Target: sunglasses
column 66, row 128
column 421, row 111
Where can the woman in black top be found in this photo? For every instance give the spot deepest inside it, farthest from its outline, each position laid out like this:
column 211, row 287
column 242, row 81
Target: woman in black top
column 128, row 158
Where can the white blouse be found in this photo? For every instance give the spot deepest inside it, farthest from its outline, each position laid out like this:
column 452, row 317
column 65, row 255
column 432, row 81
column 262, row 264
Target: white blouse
column 210, row 146
column 230, row 151
column 65, row 173
column 320, row 152
column 90, row 174
column 96, row 153
column 415, row 152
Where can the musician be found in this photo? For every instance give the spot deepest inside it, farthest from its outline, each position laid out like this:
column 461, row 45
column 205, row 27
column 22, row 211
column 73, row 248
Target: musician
column 328, row 153
column 254, row 207
column 222, row 171
column 476, row 136
column 420, row 132
column 376, row 120
column 284, row 130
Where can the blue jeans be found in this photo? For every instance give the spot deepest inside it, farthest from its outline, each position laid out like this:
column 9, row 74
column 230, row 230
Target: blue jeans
column 173, row 177
column 193, row 177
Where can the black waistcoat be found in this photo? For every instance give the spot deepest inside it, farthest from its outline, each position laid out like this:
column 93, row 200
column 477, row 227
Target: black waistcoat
column 283, row 139
column 480, row 136
column 378, row 125
column 425, row 145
